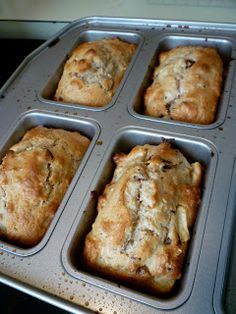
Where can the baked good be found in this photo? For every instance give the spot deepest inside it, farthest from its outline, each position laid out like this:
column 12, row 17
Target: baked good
column 145, row 214
column 34, row 176
column 93, row 72
column 186, row 85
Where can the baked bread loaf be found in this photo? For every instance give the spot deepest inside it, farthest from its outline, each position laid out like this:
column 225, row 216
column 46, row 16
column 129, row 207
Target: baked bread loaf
column 145, row 214
column 186, row 85
column 34, row 176
column 93, row 72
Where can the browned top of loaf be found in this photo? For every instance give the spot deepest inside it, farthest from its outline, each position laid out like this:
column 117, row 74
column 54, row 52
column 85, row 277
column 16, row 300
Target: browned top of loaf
column 93, row 72
column 34, row 176
column 186, row 85
column 144, row 216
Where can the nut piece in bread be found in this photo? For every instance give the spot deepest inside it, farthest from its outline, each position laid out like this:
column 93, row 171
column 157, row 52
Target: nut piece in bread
column 93, row 72
column 144, row 219
column 34, row 176
column 186, row 85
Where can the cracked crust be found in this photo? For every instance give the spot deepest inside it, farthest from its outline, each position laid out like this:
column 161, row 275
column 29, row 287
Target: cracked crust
column 144, row 219
column 34, row 176
column 93, row 72
column 186, row 85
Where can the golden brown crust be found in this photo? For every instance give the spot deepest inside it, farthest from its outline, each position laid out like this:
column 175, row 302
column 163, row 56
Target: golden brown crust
column 93, row 72
column 144, row 217
column 186, row 85
column 34, row 176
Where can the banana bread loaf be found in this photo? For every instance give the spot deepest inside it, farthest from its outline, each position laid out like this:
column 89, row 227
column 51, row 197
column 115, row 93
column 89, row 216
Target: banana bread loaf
column 93, row 72
column 145, row 214
column 34, row 176
column 186, row 85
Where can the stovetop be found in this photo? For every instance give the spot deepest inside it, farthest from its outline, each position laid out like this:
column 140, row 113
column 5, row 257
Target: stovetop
column 12, row 53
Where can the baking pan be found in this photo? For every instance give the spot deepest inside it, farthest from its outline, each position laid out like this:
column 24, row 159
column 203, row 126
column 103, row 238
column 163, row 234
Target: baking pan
column 52, row 271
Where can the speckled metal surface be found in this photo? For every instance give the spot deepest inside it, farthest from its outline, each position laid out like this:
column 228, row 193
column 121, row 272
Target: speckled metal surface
column 51, row 271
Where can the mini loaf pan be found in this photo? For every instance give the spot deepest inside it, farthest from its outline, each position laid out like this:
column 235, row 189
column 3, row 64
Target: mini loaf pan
column 224, row 46
column 126, row 138
column 34, row 84
column 49, row 90
column 35, row 118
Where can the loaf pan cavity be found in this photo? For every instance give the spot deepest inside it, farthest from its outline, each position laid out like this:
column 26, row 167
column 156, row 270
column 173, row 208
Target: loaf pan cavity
column 224, row 46
column 49, row 90
column 34, row 118
column 124, row 141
